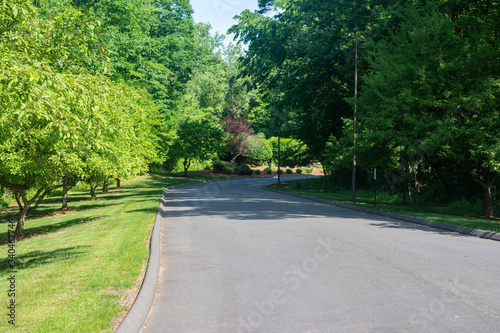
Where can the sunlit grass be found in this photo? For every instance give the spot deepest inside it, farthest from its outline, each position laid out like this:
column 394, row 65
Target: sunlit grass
column 75, row 271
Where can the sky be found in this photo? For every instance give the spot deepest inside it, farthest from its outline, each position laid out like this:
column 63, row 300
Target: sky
column 220, row 13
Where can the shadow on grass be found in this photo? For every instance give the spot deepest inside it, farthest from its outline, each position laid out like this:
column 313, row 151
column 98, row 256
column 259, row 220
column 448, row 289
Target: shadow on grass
column 144, row 190
column 37, row 257
column 30, row 232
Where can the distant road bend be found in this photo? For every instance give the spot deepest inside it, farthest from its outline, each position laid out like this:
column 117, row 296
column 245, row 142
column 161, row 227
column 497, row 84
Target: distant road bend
column 236, row 258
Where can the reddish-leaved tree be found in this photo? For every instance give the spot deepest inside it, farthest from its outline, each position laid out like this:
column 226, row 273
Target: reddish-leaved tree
column 238, row 130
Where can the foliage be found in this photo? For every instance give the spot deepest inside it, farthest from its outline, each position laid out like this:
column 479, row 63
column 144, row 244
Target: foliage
column 429, row 82
column 224, row 167
column 389, row 202
column 197, row 139
column 289, row 171
column 269, row 171
column 260, row 149
column 238, row 131
column 432, row 92
column 243, row 170
column 299, row 171
column 293, row 152
column 59, row 118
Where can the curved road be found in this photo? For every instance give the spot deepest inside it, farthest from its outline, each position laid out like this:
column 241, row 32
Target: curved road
column 236, row 258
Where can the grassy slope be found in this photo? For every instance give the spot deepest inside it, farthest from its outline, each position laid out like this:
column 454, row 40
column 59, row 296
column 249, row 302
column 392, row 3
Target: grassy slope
column 449, row 215
column 76, row 270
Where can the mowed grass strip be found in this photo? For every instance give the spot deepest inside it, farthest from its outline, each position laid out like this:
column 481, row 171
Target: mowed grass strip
column 79, row 272
column 466, row 217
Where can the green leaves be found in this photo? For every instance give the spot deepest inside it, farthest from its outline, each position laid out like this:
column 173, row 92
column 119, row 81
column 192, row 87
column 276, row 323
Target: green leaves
column 59, row 117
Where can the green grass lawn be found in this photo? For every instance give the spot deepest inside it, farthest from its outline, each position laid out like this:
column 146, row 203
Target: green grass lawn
column 461, row 215
column 75, row 272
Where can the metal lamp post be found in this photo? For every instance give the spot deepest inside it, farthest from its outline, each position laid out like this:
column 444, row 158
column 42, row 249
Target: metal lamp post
column 353, row 200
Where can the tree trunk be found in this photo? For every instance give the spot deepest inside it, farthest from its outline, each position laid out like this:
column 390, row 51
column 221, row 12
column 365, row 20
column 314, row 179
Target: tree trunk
column 23, row 209
column 105, row 186
column 22, row 219
column 187, row 164
column 93, row 196
column 405, row 193
column 118, row 183
column 487, row 202
column 485, row 181
column 45, row 193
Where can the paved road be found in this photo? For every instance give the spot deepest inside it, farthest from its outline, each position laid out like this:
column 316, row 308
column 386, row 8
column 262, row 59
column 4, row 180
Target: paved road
column 236, row 258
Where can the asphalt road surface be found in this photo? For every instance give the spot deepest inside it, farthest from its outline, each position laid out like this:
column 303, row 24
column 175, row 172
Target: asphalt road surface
column 236, row 258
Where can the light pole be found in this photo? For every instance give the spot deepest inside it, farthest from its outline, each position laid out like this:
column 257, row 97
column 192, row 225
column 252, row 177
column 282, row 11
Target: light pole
column 279, row 147
column 353, row 200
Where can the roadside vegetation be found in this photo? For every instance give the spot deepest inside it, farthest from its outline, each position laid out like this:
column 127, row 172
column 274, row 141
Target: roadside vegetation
column 462, row 213
column 93, row 93
column 80, row 270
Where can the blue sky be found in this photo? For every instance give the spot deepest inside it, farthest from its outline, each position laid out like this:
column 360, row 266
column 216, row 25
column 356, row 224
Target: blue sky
column 220, row 13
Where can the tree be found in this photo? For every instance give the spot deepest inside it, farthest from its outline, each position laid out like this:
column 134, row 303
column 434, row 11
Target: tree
column 431, row 91
column 198, row 139
column 238, row 132
column 58, row 121
column 293, row 152
column 301, row 54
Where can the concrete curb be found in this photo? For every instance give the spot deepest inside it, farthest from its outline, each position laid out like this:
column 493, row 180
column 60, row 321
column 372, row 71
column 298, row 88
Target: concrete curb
column 139, row 312
column 429, row 223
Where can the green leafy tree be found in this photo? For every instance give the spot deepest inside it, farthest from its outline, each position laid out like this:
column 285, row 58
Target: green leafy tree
column 432, row 91
column 293, row 152
column 58, row 121
column 197, row 139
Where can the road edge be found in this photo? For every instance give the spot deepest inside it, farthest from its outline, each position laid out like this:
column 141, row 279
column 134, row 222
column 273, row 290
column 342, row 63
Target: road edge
column 434, row 224
column 139, row 312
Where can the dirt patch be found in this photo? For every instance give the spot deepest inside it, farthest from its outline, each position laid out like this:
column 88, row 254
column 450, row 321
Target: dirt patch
column 493, row 218
column 5, row 210
column 61, row 212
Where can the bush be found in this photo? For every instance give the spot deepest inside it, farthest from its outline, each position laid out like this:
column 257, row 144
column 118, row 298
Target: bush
column 261, row 149
column 299, row 171
column 280, row 171
column 309, row 170
column 244, row 170
column 223, row 167
column 269, row 171
column 289, row 171
column 258, row 172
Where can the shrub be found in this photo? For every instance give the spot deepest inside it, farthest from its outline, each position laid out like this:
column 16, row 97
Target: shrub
column 289, row 171
column 309, row 170
column 258, row 172
column 223, row 167
column 299, row 171
column 261, row 149
column 269, row 171
column 244, row 170
column 280, row 171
